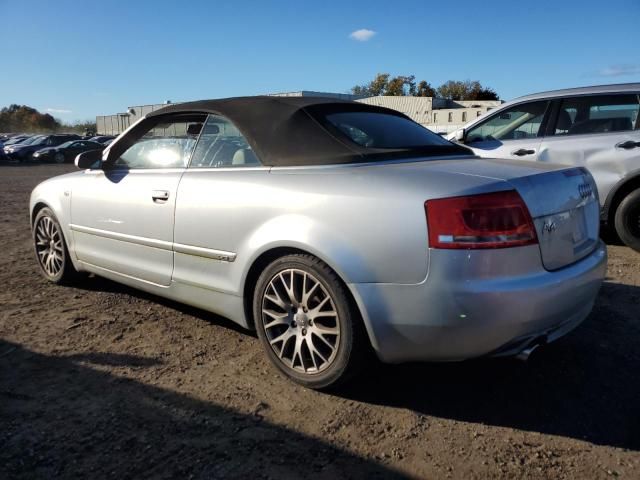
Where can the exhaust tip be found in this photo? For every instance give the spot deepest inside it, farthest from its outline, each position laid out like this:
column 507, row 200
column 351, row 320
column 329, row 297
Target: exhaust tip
column 532, row 347
column 524, row 355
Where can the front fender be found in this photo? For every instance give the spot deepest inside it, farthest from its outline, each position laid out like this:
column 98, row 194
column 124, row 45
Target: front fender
column 55, row 195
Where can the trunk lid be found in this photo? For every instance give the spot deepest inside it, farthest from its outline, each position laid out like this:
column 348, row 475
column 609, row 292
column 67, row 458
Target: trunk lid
column 565, row 211
column 562, row 201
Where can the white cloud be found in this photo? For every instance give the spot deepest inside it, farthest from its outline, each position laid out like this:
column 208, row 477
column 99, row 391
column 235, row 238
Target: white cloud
column 620, row 70
column 58, row 110
column 362, row 35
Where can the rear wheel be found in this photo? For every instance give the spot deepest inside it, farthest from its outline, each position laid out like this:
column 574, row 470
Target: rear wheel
column 627, row 220
column 51, row 249
column 306, row 323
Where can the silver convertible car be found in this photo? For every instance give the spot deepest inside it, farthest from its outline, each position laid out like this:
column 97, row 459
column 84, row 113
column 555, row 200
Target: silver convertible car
column 333, row 229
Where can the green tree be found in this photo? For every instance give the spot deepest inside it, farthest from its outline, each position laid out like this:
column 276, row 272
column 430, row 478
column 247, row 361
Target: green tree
column 466, row 90
column 379, row 84
column 22, row 118
column 453, row 90
column 425, row 89
column 360, row 90
column 401, row 86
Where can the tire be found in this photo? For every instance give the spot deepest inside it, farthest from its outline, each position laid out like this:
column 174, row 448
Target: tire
column 323, row 339
column 51, row 249
column 627, row 220
column 59, row 158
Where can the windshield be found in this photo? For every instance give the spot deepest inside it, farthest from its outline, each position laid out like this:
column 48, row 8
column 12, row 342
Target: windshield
column 33, row 140
column 66, row 144
column 382, row 130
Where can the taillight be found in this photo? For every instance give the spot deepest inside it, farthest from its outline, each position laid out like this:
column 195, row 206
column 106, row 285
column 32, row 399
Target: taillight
column 489, row 220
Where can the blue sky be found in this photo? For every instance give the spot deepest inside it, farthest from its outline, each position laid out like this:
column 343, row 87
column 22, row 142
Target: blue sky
column 81, row 59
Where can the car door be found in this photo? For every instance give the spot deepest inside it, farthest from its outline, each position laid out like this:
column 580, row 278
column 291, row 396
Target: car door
column 122, row 215
column 513, row 132
column 211, row 213
column 599, row 132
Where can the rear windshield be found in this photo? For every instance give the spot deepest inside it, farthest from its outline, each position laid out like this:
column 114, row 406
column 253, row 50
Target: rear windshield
column 382, row 130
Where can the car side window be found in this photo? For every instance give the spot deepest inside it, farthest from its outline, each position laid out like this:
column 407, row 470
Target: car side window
column 518, row 122
column 165, row 143
column 597, row 114
column 222, row 145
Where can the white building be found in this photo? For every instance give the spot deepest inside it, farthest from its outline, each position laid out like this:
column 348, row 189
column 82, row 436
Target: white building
column 437, row 114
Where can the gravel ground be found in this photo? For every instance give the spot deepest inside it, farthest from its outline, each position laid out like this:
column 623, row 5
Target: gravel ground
column 103, row 381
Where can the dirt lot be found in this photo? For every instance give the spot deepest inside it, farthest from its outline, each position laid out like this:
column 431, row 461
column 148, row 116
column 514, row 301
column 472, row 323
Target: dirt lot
column 104, row 381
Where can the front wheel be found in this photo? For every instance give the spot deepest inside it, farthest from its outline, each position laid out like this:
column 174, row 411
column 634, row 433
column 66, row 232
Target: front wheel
column 58, row 158
column 51, row 248
column 627, row 220
column 306, row 323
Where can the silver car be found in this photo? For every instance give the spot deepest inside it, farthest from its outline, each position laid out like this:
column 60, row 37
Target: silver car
column 594, row 127
column 333, row 229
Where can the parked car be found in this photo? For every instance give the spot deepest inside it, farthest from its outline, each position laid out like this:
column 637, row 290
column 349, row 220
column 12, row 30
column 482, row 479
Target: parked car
column 9, row 149
column 66, row 152
column 16, row 140
column 102, row 138
column 594, row 127
column 330, row 227
column 24, row 151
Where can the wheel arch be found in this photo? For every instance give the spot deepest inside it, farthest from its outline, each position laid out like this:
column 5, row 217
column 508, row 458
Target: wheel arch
column 620, row 190
column 37, row 205
column 36, row 209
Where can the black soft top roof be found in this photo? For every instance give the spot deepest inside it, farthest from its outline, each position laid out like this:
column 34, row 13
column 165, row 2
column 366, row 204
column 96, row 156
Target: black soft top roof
column 288, row 131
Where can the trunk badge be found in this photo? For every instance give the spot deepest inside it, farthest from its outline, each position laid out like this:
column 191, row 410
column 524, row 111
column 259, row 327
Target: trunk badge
column 549, row 227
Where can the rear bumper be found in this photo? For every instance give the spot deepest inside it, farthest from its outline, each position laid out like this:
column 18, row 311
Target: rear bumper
column 476, row 303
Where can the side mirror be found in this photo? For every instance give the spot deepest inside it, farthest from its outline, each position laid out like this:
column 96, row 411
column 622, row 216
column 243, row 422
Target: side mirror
column 90, row 159
column 460, row 135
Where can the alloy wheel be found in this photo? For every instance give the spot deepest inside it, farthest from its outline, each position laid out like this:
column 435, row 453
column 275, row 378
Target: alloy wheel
column 49, row 246
column 59, row 158
column 300, row 320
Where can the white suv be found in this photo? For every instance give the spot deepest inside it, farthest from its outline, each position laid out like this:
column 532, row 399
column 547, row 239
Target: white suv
column 595, row 127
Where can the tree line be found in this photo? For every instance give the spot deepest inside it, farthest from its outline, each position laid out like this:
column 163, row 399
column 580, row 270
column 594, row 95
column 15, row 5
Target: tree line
column 385, row 84
column 22, row 118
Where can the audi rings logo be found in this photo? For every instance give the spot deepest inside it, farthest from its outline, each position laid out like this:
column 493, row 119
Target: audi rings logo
column 585, row 190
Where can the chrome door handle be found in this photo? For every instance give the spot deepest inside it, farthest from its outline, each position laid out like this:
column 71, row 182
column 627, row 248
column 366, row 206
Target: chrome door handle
column 160, row 195
column 628, row 145
column 522, row 152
